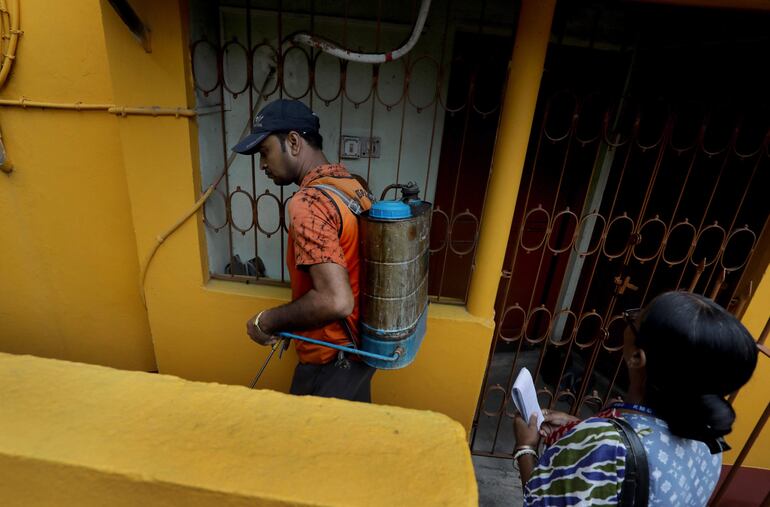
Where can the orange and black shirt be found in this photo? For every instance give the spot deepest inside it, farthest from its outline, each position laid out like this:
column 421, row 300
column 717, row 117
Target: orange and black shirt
column 322, row 229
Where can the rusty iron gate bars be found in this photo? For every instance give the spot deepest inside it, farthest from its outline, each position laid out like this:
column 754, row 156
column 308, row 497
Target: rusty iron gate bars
column 729, row 150
column 500, row 412
column 553, row 219
column 660, row 253
column 667, row 228
column 450, row 223
column 589, row 251
column 765, row 147
column 568, row 137
column 223, row 126
column 439, row 80
column 405, row 62
column 373, row 89
column 662, row 143
column 471, row 250
column 219, row 84
column 615, row 144
column 729, row 234
column 343, row 76
column 600, row 247
column 451, row 218
column 489, row 175
column 281, row 87
column 733, row 232
column 251, row 122
column 743, row 301
column 697, row 142
column 701, row 230
column 504, row 310
column 604, row 322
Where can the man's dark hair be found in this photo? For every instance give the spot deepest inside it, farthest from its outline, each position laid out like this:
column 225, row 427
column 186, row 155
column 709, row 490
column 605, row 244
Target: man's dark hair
column 312, row 138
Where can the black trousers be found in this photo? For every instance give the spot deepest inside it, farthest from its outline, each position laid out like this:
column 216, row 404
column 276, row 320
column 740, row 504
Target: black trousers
column 332, row 381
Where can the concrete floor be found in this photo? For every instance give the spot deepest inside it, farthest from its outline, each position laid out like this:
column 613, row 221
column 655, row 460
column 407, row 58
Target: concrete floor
column 498, row 482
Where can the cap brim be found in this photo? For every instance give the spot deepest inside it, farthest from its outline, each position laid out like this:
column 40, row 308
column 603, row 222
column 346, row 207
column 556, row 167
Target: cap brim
column 250, row 144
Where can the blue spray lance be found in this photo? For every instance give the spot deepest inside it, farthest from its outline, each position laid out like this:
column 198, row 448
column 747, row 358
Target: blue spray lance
column 394, row 294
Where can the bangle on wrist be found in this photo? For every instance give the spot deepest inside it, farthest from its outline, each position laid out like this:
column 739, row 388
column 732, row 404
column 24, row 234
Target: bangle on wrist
column 520, row 447
column 523, row 452
column 256, row 323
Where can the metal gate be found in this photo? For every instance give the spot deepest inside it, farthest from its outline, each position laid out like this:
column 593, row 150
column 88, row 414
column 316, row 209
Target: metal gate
column 622, row 199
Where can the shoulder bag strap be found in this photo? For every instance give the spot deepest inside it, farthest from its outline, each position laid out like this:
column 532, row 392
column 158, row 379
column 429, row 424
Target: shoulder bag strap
column 636, row 485
column 355, row 207
column 352, row 204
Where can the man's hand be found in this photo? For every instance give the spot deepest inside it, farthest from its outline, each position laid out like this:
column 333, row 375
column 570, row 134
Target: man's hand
column 330, row 299
column 553, row 420
column 257, row 334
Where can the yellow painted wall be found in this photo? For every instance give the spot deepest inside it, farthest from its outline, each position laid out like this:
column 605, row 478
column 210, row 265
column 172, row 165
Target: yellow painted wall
column 99, row 436
column 92, row 192
column 753, row 398
column 68, row 265
column 198, row 326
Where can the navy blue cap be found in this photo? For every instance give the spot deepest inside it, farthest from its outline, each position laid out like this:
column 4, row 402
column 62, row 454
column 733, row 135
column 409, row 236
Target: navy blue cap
column 280, row 115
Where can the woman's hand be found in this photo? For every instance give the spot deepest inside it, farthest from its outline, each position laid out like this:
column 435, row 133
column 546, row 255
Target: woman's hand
column 555, row 420
column 526, row 434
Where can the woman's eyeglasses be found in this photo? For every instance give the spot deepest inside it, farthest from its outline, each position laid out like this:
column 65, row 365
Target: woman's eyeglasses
column 631, row 317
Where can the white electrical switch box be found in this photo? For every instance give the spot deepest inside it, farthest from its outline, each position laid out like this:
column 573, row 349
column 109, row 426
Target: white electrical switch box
column 351, row 147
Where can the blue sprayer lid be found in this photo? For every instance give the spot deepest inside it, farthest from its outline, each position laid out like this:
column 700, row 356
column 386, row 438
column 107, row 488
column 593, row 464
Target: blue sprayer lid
column 390, row 210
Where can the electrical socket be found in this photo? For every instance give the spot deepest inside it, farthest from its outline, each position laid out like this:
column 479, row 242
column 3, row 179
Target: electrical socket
column 370, row 147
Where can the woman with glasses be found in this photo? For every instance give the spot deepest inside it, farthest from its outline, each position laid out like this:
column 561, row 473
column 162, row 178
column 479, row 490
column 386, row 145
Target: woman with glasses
column 684, row 354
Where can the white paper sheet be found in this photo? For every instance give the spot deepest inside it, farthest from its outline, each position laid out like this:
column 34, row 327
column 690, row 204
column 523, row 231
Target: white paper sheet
column 525, row 397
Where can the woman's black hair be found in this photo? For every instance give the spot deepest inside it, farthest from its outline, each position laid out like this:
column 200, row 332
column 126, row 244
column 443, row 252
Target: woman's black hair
column 313, row 138
column 697, row 353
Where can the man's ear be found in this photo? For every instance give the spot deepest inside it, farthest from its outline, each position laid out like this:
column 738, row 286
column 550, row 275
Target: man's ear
column 293, row 143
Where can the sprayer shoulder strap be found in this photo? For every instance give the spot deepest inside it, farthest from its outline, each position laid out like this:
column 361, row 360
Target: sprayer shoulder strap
column 354, row 205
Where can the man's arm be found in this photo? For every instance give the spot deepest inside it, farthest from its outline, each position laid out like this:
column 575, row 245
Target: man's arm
column 330, row 299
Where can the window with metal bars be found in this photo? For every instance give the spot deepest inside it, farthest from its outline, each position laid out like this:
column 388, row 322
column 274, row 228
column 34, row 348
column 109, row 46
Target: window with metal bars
column 429, row 117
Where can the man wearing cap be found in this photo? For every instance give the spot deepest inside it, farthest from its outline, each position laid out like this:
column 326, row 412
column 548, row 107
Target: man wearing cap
column 322, row 253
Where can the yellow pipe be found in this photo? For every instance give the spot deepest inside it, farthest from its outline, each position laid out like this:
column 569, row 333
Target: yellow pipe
column 109, row 108
column 13, row 39
column 526, row 69
column 160, row 239
column 5, row 164
column 152, row 111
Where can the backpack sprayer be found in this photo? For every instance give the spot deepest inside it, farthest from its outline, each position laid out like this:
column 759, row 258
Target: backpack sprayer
column 395, row 237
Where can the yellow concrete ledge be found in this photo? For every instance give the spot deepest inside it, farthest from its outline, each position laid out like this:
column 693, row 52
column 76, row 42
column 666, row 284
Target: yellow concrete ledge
column 76, row 434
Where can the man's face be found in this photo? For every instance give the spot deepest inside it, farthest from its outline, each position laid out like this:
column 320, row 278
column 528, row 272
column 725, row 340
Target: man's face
column 277, row 163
